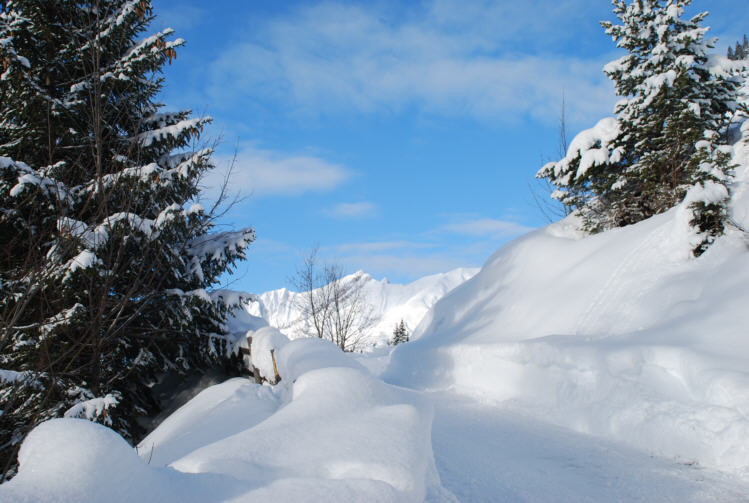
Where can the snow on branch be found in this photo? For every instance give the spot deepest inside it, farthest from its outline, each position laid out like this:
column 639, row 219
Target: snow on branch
column 84, row 260
column 140, row 173
column 220, row 246
column 94, row 237
column 148, row 48
column 181, row 164
column 10, row 58
column 15, row 377
column 94, row 409
column 590, row 147
column 213, row 252
column 120, row 18
column 229, row 298
column 62, row 318
column 28, row 177
column 198, row 293
column 174, row 131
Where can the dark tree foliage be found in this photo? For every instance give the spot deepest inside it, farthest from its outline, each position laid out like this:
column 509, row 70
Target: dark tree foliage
column 105, row 260
column 740, row 51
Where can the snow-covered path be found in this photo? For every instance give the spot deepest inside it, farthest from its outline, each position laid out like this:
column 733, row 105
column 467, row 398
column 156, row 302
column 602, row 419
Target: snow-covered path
column 487, row 453
column 331, row 430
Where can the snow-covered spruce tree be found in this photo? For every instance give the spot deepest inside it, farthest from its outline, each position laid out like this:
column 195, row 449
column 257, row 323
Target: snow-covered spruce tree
column 667, row 136
column 400, row 334
column 104, row 260
column 741, row 51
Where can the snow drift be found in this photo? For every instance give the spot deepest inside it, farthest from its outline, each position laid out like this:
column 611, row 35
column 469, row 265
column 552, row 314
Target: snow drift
column 329, row 431
column 620, row 334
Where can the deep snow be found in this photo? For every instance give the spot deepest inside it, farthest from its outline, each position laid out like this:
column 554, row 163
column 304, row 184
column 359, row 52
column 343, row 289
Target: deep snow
column 621, row 335
column 487, row 453
column 329, row 432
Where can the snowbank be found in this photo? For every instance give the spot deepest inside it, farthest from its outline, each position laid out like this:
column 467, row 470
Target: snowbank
column 329, row 431
column 620, row 334
column 76, row 460
column 215, row 413
column 342, row 435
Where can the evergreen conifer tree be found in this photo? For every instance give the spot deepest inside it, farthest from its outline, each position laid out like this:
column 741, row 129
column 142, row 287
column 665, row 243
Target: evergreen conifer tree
column 667, row 136
column 105, row 256
column 741, row 50
column 400, row 334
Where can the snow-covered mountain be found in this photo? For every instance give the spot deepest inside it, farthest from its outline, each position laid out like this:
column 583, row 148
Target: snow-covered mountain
column 390, row 303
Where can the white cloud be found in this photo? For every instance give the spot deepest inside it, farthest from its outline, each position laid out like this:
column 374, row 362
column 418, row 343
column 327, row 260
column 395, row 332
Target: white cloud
column 377, row 246
column 453, row 58
column 429, row 252
column 259, row 173
column 487, row 227
column 362, row 209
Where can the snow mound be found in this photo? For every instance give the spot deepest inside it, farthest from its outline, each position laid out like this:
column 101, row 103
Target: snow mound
column 77, row 460
column 619, row 334
column 330, row 431
column 341, row 435
column 215, row 413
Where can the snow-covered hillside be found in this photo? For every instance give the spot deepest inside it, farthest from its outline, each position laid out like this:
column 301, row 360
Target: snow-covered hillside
column 620, row 334
column 390, row 303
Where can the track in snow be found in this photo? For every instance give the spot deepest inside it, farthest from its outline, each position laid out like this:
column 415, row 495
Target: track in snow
column 487, row 454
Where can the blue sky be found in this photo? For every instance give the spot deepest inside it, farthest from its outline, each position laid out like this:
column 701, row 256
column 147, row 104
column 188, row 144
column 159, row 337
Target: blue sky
column 402, row 138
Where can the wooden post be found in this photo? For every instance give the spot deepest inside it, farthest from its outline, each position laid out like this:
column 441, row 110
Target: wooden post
column 253, row 369
column 276, row 376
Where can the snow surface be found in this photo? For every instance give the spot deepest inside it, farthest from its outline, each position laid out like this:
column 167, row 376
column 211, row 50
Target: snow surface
column 75, row 460
column 621, row 335
column 329, row 432
column 488, row 453
column 390, row 303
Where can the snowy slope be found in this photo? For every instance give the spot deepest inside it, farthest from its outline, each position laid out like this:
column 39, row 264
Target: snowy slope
column 620, row 334
column 390, row 303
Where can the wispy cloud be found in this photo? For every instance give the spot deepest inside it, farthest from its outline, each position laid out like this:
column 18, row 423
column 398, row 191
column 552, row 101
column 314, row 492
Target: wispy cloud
column 377, row 246
column 487, row 227
column 431, row 251
column 363, row 209
column 260, row 173
column 449, row 57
